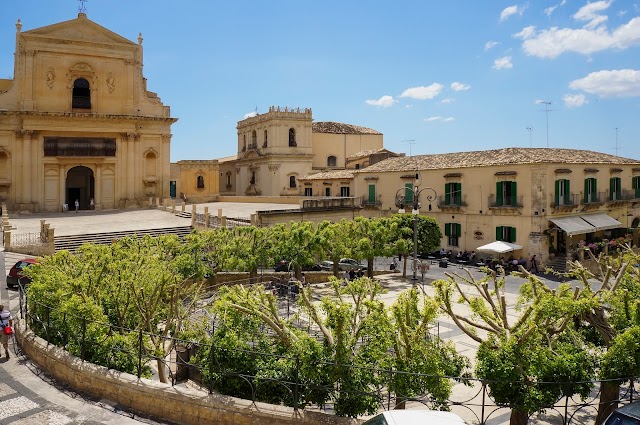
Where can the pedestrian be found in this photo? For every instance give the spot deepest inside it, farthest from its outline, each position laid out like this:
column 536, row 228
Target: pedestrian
column 345, row 275
column 352, row 274
column 303, row 280
column 77, row 205
column 5, row 320
column 92, row 204
column 534, row 265
column 394, row 265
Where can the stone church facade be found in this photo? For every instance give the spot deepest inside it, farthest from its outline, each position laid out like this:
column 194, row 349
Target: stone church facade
column 77, row 122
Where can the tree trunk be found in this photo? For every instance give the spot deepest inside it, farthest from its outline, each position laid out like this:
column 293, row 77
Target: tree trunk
column 609, row 395
column 404, row 266
column 162, row 373
column 518, row 417
column 370, row 267
column 253, row 275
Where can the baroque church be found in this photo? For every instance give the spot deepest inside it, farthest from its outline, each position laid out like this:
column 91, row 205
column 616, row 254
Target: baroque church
column 78, row 123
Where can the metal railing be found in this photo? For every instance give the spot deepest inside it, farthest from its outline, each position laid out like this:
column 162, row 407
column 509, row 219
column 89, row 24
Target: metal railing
column 28, row 239
column 376, row 201
column 454, row 201
column 593, row 198
column 505, row 202
column 561, row 201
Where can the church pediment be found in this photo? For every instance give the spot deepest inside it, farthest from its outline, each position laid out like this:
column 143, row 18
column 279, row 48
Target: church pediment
column 80, row 29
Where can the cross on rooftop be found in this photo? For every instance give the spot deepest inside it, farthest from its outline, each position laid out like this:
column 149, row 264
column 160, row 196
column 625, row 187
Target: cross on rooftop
column 82, row 7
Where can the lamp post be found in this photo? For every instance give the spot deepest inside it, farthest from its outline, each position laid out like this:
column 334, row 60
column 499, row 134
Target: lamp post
column 401, row 202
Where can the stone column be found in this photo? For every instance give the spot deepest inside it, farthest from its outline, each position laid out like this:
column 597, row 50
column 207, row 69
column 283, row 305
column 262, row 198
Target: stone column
column 97, row 187
column 26, row 166
column 207, row 217
column 193, row 215
column 130, row 181
column 62, row 185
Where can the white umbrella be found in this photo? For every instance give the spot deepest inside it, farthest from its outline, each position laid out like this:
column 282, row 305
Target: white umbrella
column 499, row 246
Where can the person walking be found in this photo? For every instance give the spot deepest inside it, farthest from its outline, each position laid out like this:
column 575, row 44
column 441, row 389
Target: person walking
column 5, row 320
column 534, row 265
column 77, row 205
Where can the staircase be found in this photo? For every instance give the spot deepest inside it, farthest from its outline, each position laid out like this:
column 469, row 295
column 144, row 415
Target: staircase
column 72, row 242
column 559, row 263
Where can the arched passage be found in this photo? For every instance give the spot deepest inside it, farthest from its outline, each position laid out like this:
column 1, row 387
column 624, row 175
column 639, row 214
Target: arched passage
column 80, row 185
column 635, row 231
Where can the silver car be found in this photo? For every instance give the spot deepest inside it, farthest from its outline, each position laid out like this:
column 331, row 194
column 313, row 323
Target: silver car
column 415, row 417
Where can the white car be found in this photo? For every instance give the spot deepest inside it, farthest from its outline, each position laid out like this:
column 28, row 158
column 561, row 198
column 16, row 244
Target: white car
column 415, row 417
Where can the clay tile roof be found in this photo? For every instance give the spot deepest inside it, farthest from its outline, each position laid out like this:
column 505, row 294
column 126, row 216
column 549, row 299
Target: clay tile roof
column 328, row 175
column 362, row 154
column 340, row 128
column 507, row 156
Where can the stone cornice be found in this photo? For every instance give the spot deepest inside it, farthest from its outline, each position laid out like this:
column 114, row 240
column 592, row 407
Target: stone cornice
column 49, row 40
column 87, row 116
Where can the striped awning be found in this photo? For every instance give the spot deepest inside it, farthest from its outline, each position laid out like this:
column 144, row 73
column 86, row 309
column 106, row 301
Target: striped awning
column 573, row 225
column 601, row 221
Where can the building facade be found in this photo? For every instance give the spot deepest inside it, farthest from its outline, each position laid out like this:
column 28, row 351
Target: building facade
column 78, row 123
column 546, row 200
column 278, row 148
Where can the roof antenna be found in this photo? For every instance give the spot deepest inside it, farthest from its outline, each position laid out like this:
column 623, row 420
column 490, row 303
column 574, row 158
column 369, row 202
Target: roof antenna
column 82, row 7
column 546, row 110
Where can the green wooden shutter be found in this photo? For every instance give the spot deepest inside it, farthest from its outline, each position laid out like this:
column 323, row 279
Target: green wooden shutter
column 499, row 194
column 635, row 182
column 595, row 190
column 408, row 192
column 618, row 188
column 447, row 193
column 557, row 197
column 447, row 229
column 567, row 192
column 612, row 187
column 458, row 229
column 586, row 190
column 514, row 194
column 499, row 233
column 372, row 193
column 458, row 197
column 512, row 236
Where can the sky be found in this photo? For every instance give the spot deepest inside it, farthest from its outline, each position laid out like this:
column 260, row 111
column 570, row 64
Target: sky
column 433, row 76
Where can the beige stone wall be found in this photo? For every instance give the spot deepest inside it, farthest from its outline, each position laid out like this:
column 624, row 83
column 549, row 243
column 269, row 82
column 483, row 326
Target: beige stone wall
column 341, row 146
column 187, row 183
column 182, row 405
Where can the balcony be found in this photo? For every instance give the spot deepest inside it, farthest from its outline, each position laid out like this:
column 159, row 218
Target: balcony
column 507, row 202
column 374, row 202
column 622, row 196
column 454, row 202
column 562, row 203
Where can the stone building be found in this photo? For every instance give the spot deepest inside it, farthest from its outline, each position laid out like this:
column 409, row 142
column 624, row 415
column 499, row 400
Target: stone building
column 546, row 200
column 77, row 122
column 277, row 148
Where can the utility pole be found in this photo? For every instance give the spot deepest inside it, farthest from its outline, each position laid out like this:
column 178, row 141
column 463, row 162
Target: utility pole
column 546, row 111
column 530, row 129
column 616, row 129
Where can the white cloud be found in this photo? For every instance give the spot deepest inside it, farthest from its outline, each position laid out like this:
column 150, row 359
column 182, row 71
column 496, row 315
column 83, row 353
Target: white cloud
column 549, row 10
column 527, row 32
column 553, row 42
column 574, row 100
column 456, row 86
column 589, row 13
column 384, row 102
column 448, row 100
column 503, row 63
column 250, row 114
column 613, row 83
column 423, row 92
column 509, row 11
column 490, row 45
column 436, row 118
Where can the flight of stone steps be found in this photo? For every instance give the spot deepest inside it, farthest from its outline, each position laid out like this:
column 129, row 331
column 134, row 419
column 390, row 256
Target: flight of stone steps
column 73, row 242
column 559, row 263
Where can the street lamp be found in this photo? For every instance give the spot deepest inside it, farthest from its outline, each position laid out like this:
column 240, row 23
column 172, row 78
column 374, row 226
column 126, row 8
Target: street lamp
column 401, row 202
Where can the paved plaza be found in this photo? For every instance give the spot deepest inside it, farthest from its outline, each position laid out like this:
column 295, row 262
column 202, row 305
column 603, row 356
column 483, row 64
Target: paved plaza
column 29, row 397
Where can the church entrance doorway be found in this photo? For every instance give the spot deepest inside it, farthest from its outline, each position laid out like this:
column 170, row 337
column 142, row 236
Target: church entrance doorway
column 80, row 185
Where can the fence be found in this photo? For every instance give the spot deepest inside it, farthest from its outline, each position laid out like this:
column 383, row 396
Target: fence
column 233, row 371
column 208, row 221
column 29, row 239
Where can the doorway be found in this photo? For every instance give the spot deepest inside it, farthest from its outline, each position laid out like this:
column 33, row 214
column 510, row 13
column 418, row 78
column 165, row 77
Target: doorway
column 80, row 185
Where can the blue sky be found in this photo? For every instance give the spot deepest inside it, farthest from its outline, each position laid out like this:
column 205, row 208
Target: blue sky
column 451, row 76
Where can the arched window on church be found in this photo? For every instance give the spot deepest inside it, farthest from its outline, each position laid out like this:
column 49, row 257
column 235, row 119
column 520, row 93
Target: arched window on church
column 292, row 137
column 266, row 139
column 332, row 161
column 244, row 142
column 200, row 183
column 81, row 94
column 292, row 181
column 254, row 140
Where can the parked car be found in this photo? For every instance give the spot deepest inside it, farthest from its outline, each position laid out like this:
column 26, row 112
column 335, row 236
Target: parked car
column 284, row 266
column 15, row 274
column 349, row 264
column 326, row 265
column 415, row 417
column 626, row 415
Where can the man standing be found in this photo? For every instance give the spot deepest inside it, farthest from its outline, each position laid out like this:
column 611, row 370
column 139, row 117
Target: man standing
column 77, row 205
column 5, row 320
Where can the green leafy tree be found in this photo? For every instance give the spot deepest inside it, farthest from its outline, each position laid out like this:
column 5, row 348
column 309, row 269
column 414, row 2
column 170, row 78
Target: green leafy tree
column 429, row 235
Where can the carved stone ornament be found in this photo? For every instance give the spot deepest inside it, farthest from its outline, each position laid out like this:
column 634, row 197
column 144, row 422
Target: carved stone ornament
column 51, row 77
column 274, row 167
column 111, row 82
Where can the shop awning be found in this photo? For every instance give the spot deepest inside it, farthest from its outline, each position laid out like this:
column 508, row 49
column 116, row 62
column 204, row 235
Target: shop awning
column 573, row 225
column 601, row 221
